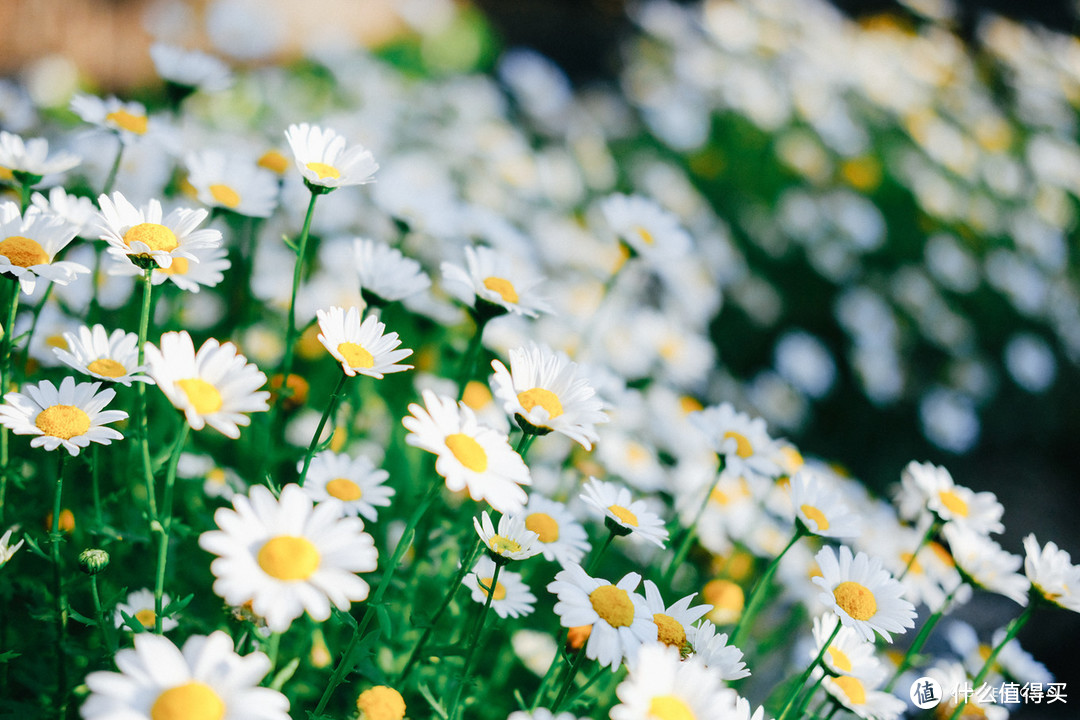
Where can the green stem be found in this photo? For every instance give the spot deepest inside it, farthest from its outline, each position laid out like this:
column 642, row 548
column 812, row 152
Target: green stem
column 143, row 430
column 588, row 684
column 103, row 626
column 95, row 487
column 298, row 272
column 275, row 646
column 930, row 532
column 920, row 639
column 542, row 690
column 55, row 538
column 688, row 537
column 600, row 553
column 757, row 595
column 472, row 352
column 466, row 672
column 808, row 672
column 808, row 696
column 571, row 673
column 110, row 180
column 6, row 344
column 164, row 525
column 525, row 443
column 335, row 398
column 35, row 316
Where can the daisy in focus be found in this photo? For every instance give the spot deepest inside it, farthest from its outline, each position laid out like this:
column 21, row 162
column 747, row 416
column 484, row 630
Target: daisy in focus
column 1052, row 573
column 863, row 594
column 29, row 244
column 288, row 556
column 543, row 393
column 742, row 441
column 71, row 416
column 361, row 347
column 559, row 535
column 215, row 386
column 489, row 280
column 512, row 541
column 325, row 161
column 714, row 651
column 355, row 482
column 673, row 623
column 511, row 598
column 112, row 357
column 147, row 238
column 139, row 605
column 232, row 182
column 662, row 685
column 471, row 456
column 386, row 273
column 622, row 514
column 205, row 678
column 29, row 161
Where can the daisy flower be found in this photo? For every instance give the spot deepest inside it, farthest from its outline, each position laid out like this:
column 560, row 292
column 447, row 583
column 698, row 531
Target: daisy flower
column 820, row 511
column 488, row 279
column 29, row 244
column 714, row 651
column 645, row 227
column 127, row 119
column 863, row 594
column 673, row 623
column 206, row 269
column 661, row 685
column 215, row 386
column 28, row 161
column 190, row 68
column 233, row 183
column 986, row 564
column 381, row 702
column 140, row 606
column 386, row 273
column 513, row 541
column 288, row 556
column 848, row 653
column 622, row 514
column 1052, row 573
column 71, row 416
column 355, row 482
column 925, row 486
column 110, row 357
column 8, row 551
column 619, row 618
column 956, row 686
column 470, row 455
column 512, row 597
column 144, row 236
column 543, row 392
column 742, row 441
column 325, row 162
column 559, row 535
column 861, row 697
column 204, row 679
column 77, row 211
column 361, row 347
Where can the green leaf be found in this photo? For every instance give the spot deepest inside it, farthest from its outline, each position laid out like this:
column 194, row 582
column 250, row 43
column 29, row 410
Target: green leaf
column 8, row 656
column 134, row 625
column 76, row 615
column 385, row 625
column 31, row 543
column 289, row 243
column 346, row 618
column 435, row 704
column 176, row 606
column 285, row 674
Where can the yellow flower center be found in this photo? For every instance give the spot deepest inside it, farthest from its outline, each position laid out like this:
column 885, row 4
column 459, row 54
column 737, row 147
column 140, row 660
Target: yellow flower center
column 153, row 236
column 6, row 174
column 669, row 630
column 107, row 367
column 500, row 589
column 669, row 707
column 545, row 526
column 146, row 618
column 816, row 515
column 503, row 545
column 839, row 659
column 128, row 121
column 503, row 287
column 690, row 404
column 355, row 355
column 57, row 341
column 912, row 564
column 381, row 703
column 942, row 553
column 467, row 451
column 624, row 515
column 191, row 701
column 225, row 195
column 274, row 162
column 323, row 170
column 953, row 502
column 645, row 235
column 179, row 267
column 203, row 396
column 542, row 397
column 856, row 600
column 63, row 421
column 743, row 448
column 613, row 605
column 344, row 489
column 288, row 557
column 23, row 251
column 853, row 688
column 476, row 395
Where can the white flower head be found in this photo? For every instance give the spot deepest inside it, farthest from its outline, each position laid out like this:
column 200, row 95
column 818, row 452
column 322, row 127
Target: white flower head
column 511, row 595
column 361, row 347
column 385, row 272
column 673, row 623
column 742, row 441
column 1052, row 573
column 7, row 551
column 714, row 651
column 820, row 510
column 863, row 594
column 127, row 119
column 112, row 357
column 354, row 482
column 71, row 416
column 661, row 685
column 622, row 514
column 512, row 541
column 29, row 244
column 30, row 159
column 145, row 233
column 324, row 159
column 559, row 535
column 190, row 68
column 489, row 277
column 139, row 606
column 645, row 227
column 232, row 182
column 985, row 563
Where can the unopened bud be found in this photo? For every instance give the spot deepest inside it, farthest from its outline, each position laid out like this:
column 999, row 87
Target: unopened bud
column 92, row 561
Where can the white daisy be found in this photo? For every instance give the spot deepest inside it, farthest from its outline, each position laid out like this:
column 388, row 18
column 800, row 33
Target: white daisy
column 29, row 160
column 1052, row 573
column 325, row 162
column 925, row 486
column 673, row 623
column 863, row 594
column 215, row 386
column 542, row 391
column 128, row 119
column 361, row 347
column 742, row 441
column 489, row 279
column 71, row 416
column 619, row 618
column 143, row 234
column 190, row 68
column 956, row 685
column 622, row 514
column 662, row 686
column 29, row 244
column 204, row 679
column 206, row 269
column 470, row 455
column 513, row 541
column 140, row 606
column 8, row 551
column 820, row 510
column 110, row 357
column 288, row 556
column 355, row 482
column 863, row 698
column 714, row 651
column 77, row 211
column 848, row 653
column 986, row 564
column 645, row 227
column 386, row 273
column 511, row 598
column 559, row 535
column 232, row 182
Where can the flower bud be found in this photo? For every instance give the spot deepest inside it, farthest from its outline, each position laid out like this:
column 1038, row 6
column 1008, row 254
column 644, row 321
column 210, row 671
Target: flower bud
column 92, row 561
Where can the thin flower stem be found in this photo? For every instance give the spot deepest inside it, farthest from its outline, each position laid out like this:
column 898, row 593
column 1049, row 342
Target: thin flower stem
column 588, row 684
column 99, row 613
column 95, row 487
column 466, row 672
column 335, row 398
column 298, row 272
column 571, row 674
column 808, row 696
column 36, row 315
column 930, row 532
column 144, row 433
column 688, row 537
column 600, row 552
column 472, row 352
column 165, row 524
column 789, row 705
column 920, row 639
column 55, row 538
column 542, row 690
column 110, row 180
column 6, row 345
column 525, row 443
column 24, row 196
column 275, row 646
column 757, row 595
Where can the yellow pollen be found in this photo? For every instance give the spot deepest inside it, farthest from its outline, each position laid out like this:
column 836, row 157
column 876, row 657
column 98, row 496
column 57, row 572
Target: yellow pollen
column 57, row 341
column 645, row 235
column 502, row 544
column 274, row 162
column 128, row 121
column 542, row 397
column 381, row 703
column 107, row 367
column 743, row 448
column 344, row 489
column 355, row 355
column 225, row 195
column 839, row 659
column 146, row 618
column 613, row 605
column 500, row 589
column 503, row 287
column 153, row 236
column 179, row 266
column 627, row 517
column 288, row 557
column 669, row 630
column 476, row 395
column 545, row 526
column 323, row 170
column 669, row 707
column 467, row 451
column 816, row 515
column 63, row 421
column 856, row 600
column 953, row 502
column 23, row 251
column 203, row 396
column 853, row 688
column 191, row 701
